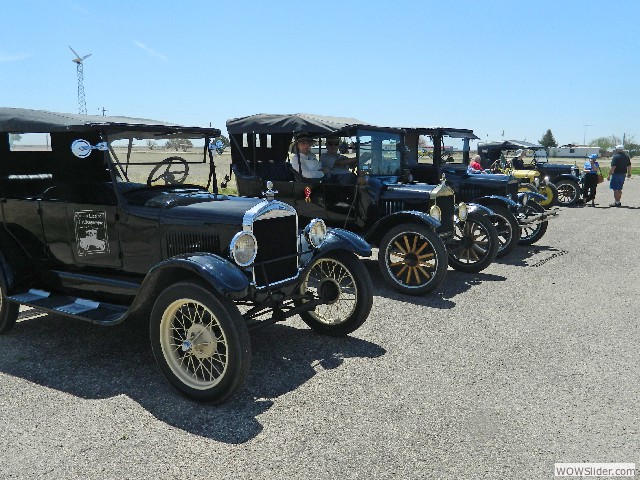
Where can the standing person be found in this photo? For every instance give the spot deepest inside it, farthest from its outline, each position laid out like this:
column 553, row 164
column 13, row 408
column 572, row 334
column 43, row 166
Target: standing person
column 306, row 162
column 620, row 166
column 590, row 180
column 337, row 164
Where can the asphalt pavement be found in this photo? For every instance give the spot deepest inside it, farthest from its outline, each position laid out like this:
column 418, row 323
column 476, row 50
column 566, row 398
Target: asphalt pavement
column 499, row 375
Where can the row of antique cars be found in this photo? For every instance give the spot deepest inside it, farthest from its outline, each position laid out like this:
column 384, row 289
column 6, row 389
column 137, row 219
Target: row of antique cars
column 101, row 224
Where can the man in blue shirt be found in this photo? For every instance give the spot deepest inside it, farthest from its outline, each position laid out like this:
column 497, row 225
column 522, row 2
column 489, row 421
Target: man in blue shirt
column 620, row 166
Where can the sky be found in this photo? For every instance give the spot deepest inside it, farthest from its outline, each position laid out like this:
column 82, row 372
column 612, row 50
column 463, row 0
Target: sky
column 507, row 69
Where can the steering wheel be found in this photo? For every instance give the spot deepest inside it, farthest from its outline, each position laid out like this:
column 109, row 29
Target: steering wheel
column 170, row 175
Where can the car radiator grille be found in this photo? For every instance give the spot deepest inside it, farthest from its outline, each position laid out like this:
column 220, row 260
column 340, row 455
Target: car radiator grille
column 277, row 257
column 191, row 242
column 446, row 205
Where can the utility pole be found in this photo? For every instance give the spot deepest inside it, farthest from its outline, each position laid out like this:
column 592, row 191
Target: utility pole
column 103, row 110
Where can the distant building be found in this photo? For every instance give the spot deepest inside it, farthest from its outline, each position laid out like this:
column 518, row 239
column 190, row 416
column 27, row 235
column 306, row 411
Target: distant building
column 573, row 151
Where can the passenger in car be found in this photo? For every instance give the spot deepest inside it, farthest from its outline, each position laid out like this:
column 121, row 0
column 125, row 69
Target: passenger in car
column 306, row 162
column 474, row 166
column 337, row 164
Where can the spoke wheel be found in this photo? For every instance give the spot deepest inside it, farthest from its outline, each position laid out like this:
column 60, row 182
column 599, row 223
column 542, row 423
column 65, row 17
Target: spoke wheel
column 200, row 342
column 507, row 228
column 474, row 245
column 343, row 283
column 413, row 259
column 8, row 310
column 568, row 192
column 532, row 233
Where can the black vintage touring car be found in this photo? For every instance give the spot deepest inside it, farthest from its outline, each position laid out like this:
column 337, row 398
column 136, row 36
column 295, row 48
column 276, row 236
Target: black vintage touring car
column 519, row 219
column 108, row 219
column 415, row 226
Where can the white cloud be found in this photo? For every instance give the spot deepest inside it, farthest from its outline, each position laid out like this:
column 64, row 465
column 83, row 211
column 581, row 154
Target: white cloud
column 13, row 58
column 149, row 50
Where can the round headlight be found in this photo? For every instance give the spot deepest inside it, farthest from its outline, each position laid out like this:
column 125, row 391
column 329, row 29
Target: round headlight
column 243, row 248
column 436, row 213
column 536, row 181
column 525, row 199
column 316, row 232
column 463, row 211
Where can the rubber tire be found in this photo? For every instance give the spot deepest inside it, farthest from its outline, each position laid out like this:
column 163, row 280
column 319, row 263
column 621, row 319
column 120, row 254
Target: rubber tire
column 553, row 193
column 436, row 244
column 8, row 310
column 565, row 185
column 486, row 225
column 231, row 324
column 531, row 238
column 505, row 219
column 364, row 297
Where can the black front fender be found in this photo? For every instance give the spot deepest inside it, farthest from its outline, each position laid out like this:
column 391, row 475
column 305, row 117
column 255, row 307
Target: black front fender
column 219, row 274
column 382, row 226
column 339, row 239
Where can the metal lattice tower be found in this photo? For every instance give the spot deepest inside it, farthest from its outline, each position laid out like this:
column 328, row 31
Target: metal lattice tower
column 82, row 104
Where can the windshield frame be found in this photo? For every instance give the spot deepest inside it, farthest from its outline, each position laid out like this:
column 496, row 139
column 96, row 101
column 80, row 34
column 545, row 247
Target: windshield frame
column 376, row 160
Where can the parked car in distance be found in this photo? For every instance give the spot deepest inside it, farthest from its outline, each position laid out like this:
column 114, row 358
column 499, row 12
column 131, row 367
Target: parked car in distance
column 516, row 215
column 110, row 219
column 415, row 226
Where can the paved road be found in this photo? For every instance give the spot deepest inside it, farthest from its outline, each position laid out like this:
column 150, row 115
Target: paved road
column 499, row 375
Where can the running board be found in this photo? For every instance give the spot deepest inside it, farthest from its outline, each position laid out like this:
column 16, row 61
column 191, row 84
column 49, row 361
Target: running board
column 98, row 313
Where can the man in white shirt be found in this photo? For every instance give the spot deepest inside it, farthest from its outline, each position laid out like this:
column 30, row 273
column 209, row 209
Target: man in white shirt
column 307, row 163
column 337, row 164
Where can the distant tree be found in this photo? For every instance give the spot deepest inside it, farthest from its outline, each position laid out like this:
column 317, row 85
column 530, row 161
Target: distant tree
column 547, row 140
column 152, row 144
column 224, row 140
column 605, row 143
column 176, row 144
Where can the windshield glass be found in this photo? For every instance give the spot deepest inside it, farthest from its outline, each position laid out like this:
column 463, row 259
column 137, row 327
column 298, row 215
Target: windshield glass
column 379, row 153
column 160, row 161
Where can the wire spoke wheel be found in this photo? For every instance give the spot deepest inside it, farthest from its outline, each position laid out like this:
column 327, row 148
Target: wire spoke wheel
column 193, row 344
column 200, row 342
column 343, row 285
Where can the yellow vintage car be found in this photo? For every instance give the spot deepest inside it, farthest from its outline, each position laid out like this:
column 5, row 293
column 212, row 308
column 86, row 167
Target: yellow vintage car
column 500, row 156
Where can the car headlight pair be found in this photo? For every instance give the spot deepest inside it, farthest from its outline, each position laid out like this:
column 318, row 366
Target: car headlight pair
column 463, row 211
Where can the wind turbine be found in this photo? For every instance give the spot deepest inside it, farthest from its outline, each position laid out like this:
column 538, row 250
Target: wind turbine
column 82, row 104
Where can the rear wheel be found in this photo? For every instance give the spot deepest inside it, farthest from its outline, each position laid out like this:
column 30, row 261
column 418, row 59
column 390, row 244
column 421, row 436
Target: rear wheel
column 568, row 192
column 200, row 342
column 532, row 233
column 507, row 228
column 413, row 259
column 551, row 193
column 8, row 310
column 343, row 282
column 474, row 245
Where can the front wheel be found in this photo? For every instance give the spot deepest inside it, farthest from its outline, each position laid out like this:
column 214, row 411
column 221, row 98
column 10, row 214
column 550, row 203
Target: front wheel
column 413, row 259
column 551, row 193
column 342, row 281
column 200, row 342
column 532, row 233
column 8, row 310
column 474, row 245
column 568, row 192
column 508, row 229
